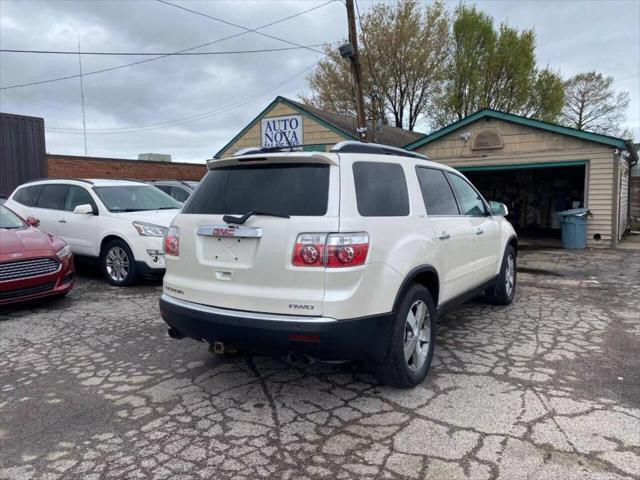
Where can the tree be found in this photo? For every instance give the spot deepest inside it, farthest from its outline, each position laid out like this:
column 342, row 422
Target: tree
column 592, row 104
column 403, row 54
column 495, row 69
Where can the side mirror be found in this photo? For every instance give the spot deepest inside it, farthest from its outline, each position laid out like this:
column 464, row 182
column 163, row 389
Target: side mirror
column 33, row 221
column 498, row 209
column 84, row 209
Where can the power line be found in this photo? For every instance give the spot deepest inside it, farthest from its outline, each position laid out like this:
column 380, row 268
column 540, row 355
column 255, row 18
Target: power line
column 139, row 62
column 195, row 12
column 153, row 54
column 180, row 121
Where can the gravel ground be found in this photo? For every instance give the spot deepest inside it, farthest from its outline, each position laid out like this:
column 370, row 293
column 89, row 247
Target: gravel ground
column 92, row 387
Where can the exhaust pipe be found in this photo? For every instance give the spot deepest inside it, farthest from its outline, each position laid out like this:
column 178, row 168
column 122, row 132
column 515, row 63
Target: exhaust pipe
column 175, row 333
column 300, row 360
column 218, row 348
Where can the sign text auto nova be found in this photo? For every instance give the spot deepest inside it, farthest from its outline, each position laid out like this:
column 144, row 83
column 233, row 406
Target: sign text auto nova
column 277, row 130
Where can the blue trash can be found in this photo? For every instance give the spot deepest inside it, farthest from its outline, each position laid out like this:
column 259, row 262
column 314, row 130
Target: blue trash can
column 574, row 228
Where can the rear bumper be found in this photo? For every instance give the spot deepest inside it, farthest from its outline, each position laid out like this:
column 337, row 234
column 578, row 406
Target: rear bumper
column 365, row 338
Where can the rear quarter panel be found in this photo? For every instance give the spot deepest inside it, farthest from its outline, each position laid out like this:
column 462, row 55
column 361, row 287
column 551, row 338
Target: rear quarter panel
column 397, row 246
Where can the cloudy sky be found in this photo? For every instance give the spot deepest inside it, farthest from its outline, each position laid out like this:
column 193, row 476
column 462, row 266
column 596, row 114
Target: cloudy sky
column 190, row 106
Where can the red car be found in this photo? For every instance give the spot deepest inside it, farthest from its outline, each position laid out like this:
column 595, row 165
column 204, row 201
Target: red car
column 33, row 264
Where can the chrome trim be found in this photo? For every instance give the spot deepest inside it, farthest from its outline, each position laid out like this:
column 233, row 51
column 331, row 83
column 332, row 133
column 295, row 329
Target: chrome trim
column 267, row 317
column 238, row 232
column 32, row 271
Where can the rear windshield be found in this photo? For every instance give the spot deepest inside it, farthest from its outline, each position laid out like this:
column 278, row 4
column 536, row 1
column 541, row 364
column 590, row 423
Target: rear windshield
column 287, row 189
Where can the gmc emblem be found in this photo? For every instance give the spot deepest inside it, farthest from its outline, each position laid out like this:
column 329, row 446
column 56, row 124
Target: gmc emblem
column 223, row 232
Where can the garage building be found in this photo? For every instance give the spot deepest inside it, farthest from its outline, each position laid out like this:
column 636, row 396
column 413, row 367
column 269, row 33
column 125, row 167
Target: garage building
column 536, row 168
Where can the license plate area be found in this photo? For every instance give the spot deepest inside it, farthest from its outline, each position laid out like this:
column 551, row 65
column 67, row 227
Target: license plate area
column 224, row 246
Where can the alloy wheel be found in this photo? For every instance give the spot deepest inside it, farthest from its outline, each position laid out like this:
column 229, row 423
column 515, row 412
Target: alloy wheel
column 417, row 335
column 510, row 275
column 117, row 263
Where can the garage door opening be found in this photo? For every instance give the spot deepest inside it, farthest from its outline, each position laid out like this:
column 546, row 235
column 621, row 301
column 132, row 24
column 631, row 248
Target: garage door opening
column 534, row 196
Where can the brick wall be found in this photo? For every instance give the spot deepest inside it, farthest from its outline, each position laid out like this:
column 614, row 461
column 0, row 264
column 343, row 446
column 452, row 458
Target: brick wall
column 67, row 166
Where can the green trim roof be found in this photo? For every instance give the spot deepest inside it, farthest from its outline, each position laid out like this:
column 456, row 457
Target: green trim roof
column 295, row 106
column 529, row 122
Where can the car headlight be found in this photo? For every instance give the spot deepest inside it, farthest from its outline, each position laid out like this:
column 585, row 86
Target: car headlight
column 64, row 252
column 149, row 229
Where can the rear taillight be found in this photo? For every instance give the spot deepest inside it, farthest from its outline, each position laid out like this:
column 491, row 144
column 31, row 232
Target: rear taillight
column 333, row 250
column 309, row 250
column 172, row 242
column 346, row 249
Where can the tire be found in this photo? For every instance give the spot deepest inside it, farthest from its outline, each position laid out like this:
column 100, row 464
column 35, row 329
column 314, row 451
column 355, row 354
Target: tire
column 118, row 263
column 396, row 370
column 504, row 291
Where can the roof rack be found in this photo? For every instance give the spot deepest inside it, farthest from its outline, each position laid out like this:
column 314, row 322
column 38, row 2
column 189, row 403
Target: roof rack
column 252, row 150
column 59, row 178
column 351, row 146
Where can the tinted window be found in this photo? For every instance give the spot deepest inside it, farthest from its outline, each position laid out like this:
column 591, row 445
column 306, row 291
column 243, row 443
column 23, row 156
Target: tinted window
column 381, row 189
column 288, row 189
column 78, row 196
column 470, row 201
column 28, row 195
column 436, row 191
column 53, row 197
column 134, row 198
column 164, row 188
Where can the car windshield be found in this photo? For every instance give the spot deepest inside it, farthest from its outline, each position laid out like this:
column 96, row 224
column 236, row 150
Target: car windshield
column 10, row 220
column 134, row 198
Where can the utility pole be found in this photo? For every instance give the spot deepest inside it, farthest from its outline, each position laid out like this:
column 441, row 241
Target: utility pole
column 84, row 121
column 356, row 70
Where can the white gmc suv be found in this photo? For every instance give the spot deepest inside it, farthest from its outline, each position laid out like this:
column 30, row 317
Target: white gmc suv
column 119, row 222
column 345, row 255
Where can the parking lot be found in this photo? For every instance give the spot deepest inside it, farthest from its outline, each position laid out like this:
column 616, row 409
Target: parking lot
column 92, row 387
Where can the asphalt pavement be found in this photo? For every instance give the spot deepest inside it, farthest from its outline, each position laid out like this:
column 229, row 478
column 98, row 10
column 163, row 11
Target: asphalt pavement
column 548, row 388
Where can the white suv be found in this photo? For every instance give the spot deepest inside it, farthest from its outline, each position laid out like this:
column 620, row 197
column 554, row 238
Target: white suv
column 119, row 222
column 346, row 255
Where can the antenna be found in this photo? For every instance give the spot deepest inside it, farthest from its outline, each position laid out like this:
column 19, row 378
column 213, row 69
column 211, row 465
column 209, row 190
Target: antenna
column 84, row 121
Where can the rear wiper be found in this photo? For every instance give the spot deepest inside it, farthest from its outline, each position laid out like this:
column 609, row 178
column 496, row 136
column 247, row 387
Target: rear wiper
column 246, row 216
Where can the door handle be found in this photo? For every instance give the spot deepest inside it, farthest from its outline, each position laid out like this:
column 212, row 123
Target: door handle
column 479, row 231
column 62, row 220
column 444, row 236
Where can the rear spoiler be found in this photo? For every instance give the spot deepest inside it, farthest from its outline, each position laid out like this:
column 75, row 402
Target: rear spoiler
column 279, row 157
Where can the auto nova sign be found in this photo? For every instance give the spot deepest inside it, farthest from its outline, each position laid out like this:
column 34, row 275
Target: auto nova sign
column 277, row 130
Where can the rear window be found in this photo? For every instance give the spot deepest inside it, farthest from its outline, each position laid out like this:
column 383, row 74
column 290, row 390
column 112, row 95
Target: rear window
column 287, row 189
column 28, row 195
column 53, row 196
column 381, row 189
